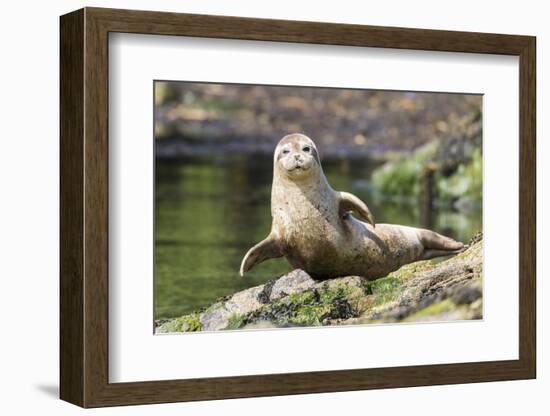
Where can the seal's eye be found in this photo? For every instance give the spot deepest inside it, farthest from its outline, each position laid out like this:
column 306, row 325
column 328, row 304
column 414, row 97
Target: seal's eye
column 286, row 152
column 306, row 149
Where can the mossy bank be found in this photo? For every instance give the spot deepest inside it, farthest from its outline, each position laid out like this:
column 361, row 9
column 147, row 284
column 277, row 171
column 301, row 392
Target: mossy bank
column 422, row 291
column 452, row 169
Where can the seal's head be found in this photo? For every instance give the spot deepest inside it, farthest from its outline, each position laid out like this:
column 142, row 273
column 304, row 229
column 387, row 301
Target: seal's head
column 296, row 157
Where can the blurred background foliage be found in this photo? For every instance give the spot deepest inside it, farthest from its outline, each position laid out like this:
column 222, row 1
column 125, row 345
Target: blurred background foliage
column 341, row 121
column 414, row 157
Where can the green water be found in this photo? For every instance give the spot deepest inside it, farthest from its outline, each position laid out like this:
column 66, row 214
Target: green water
column 209, row 211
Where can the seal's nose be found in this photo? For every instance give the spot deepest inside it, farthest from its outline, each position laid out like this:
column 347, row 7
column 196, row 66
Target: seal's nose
column 297, row 156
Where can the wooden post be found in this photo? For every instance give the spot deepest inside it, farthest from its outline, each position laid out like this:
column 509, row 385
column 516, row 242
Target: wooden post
column 427, row 195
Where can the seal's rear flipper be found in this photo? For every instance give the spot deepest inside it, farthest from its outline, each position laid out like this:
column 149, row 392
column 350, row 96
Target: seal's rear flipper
column 264, row 250
column 433, row 253
column 433, row 240
column 349, row 202
column 437, row 245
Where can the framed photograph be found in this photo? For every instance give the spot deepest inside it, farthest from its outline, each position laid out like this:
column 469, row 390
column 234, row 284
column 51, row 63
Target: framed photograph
column 255, row 207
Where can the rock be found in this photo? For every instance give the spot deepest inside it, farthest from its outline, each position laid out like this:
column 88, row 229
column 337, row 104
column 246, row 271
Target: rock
column 215, row 319
column 227, row 313
column 245, row 301
column 294, row 282
column 318, row 304
column 218, row 317
column 260, row 325
column 421, row 291
column 430, row 291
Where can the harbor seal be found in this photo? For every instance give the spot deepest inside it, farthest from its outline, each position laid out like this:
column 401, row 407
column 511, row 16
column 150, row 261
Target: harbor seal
column 315, row 227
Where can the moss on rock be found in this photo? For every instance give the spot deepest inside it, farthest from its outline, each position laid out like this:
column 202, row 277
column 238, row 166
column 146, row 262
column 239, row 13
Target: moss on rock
column 310, row 308
column 186, row 323
column 235, row 321
column 431, row 310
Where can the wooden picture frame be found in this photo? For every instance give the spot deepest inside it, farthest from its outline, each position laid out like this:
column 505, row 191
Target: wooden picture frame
column 84, row 207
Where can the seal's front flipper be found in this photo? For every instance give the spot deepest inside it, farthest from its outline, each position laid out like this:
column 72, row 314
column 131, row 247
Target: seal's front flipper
column 264, row 250
column 349, row 202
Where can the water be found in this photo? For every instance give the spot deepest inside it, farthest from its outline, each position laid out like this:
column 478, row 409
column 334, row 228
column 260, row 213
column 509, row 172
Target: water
column 210, row 210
